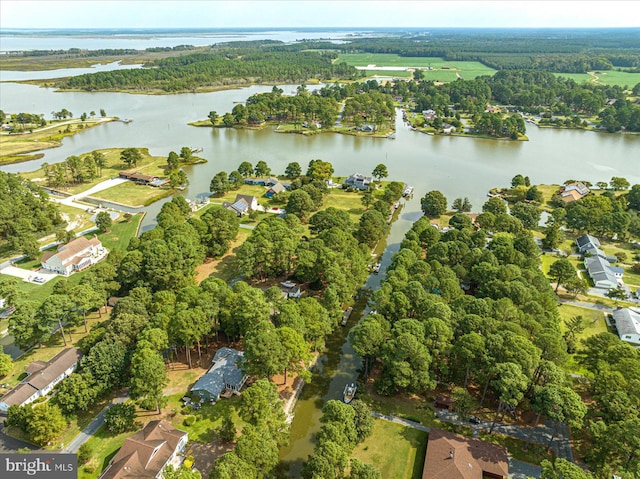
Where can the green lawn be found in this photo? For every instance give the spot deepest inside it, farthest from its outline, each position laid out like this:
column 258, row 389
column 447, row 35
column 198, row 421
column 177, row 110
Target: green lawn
column 104, row 445
column 389, row 60
column 610, row 78
column 594, row 320
column 208, row 417
column 534, row 453
column 618, row 78
column 132, row 194
column 389, row 73
column 395, row 450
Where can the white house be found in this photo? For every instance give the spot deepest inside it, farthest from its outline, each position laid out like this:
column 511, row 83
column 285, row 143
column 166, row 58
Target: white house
column 42, row 378
column 147, row 452
column 76, row 255
column 358, row 181
column 628, row 324
column 447, row 128
column 243, row 204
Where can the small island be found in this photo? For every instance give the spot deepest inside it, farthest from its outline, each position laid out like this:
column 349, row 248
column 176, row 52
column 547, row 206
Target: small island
column 347, row 109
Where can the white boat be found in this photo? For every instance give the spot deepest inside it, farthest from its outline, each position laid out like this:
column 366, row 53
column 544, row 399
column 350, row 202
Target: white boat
column 376, row 268
column 349, row 392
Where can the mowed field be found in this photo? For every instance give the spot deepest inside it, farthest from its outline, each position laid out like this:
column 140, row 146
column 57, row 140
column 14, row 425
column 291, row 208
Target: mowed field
column 605, row 78
column 442, row 70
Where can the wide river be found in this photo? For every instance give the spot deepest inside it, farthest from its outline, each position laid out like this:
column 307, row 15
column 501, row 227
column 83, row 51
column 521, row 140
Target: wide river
column 458, row 167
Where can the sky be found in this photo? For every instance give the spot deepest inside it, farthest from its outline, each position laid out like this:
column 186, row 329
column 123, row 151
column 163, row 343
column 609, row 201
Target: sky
column 316, row 13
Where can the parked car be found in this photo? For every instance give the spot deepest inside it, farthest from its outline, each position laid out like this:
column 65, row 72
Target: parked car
column 38, row 279
column 474, row 420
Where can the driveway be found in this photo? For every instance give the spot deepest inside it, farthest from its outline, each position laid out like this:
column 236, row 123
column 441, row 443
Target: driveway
column 92, row 427
column 28, row 275
column 523, row 470
column 11, row 444
column 541, row 434
column 583, row 304
column 103, row 185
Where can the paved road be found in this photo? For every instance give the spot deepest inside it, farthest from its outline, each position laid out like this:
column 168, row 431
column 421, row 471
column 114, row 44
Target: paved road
column 91, row 428
column 11, row 444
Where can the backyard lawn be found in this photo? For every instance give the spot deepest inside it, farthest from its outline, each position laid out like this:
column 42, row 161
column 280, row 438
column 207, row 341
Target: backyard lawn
column 395, row 450
column 132, row 194
column 594, row 320
column 208, row 417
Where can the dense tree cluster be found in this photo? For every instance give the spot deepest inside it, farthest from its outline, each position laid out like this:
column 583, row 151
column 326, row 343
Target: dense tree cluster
column 26, row 214
column 372, row 107
column 344, row 426
column 256, row 451
column 215, row 69
column 613, row 425
column 503, row 336
column 274, row 106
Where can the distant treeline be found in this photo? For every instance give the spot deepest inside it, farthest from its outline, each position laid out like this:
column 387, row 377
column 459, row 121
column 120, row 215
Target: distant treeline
column 572, row 51
column 102, row 52
column 227, row 67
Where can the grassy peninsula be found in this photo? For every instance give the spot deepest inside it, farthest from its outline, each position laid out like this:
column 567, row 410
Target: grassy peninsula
column 14, row 147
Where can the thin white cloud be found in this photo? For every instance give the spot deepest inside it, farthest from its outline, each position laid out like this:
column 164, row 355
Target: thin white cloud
column 310, row 13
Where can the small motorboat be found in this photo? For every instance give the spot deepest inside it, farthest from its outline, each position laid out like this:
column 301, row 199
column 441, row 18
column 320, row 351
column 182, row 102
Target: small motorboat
column 349, row 392
column 376, row 268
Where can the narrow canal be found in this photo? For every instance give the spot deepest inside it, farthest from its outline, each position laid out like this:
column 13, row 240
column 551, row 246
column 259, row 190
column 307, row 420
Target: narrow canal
column 339, row 364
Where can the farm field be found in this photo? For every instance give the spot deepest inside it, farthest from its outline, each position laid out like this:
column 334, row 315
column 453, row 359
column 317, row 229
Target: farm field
column 465, row 69
column 606, row 78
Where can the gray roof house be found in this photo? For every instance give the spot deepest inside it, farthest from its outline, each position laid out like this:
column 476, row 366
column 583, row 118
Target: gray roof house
column 602, row 273
column 628, row 324
column 358, row 181
column 223, row 376
column 587, row 242
column 593, row 251
column 42, row 377
column 275, row 189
